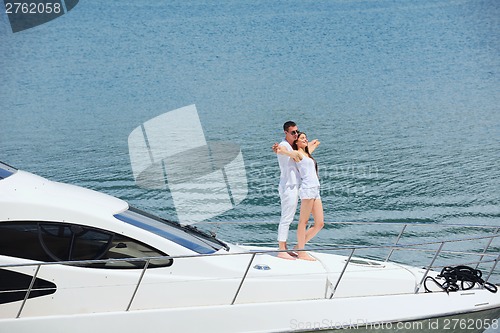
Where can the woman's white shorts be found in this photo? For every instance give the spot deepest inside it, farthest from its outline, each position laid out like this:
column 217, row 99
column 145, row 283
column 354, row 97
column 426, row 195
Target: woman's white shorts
column 309, row 193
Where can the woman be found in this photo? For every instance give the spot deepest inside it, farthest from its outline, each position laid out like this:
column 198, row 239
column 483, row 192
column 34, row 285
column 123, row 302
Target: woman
column 308, row 192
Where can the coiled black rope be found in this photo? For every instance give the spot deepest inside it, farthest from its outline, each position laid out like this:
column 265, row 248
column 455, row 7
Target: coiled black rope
column 467, row 276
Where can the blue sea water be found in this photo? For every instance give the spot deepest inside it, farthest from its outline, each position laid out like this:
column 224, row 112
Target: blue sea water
column 403, row 95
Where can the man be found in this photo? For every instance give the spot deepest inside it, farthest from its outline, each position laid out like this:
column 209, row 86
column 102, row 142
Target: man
column 288, row 187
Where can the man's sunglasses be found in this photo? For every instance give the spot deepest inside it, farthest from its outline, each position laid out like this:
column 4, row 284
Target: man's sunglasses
column 294, row 132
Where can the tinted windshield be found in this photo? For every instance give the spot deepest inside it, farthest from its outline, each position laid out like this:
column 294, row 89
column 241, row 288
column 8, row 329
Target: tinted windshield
column 174, row 232
column 6, row 170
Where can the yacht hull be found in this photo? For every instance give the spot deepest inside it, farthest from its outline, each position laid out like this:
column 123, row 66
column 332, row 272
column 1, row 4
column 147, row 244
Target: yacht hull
column 472, row 311
column 75, row 260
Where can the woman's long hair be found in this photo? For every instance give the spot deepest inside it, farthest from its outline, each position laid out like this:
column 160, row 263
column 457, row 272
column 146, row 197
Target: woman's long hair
column 306, row 149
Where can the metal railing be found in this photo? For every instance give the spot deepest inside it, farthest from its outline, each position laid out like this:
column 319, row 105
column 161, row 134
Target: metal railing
column 485, row 257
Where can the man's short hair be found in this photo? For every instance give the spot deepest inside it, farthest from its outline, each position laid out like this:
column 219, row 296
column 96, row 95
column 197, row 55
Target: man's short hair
column 288, row 124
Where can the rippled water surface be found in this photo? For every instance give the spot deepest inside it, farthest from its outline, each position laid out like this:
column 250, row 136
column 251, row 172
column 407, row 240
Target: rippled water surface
column 403, row 96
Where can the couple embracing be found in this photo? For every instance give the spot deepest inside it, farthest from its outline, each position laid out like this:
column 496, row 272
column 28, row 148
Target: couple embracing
column 299, row 178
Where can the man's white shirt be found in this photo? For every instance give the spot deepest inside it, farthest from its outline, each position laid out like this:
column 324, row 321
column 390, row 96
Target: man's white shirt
column 289, row 171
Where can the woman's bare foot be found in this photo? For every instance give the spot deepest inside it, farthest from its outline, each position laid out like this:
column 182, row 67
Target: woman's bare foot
column 306, row 256
column 285, row 255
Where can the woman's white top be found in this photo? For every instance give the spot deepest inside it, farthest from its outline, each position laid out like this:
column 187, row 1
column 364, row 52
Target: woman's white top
column 289, row 172
column 307, row 170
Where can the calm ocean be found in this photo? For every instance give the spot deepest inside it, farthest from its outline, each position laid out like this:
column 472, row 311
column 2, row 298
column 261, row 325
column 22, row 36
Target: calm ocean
column 403, row 95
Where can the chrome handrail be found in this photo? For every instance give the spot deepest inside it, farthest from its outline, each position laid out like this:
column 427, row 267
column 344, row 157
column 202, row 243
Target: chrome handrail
column 429, row 267
column 397, row 241
column 243, row 278
column 138, row 284
column 487, row 247
column 342, row 273
column 396, row 246
column 492, row 269
column 33, row 279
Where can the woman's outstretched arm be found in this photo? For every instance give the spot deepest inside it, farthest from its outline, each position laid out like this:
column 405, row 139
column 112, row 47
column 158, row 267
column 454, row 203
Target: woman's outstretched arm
column 297, row 157
column 312, row 145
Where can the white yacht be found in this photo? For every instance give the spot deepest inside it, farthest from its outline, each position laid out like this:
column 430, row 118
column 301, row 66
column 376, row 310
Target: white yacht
column 75, row 260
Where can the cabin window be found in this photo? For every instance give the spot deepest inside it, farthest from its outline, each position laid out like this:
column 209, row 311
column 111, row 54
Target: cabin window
column 59, row 242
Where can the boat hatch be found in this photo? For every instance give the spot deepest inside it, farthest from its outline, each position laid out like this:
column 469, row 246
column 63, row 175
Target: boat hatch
column 364, row 262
